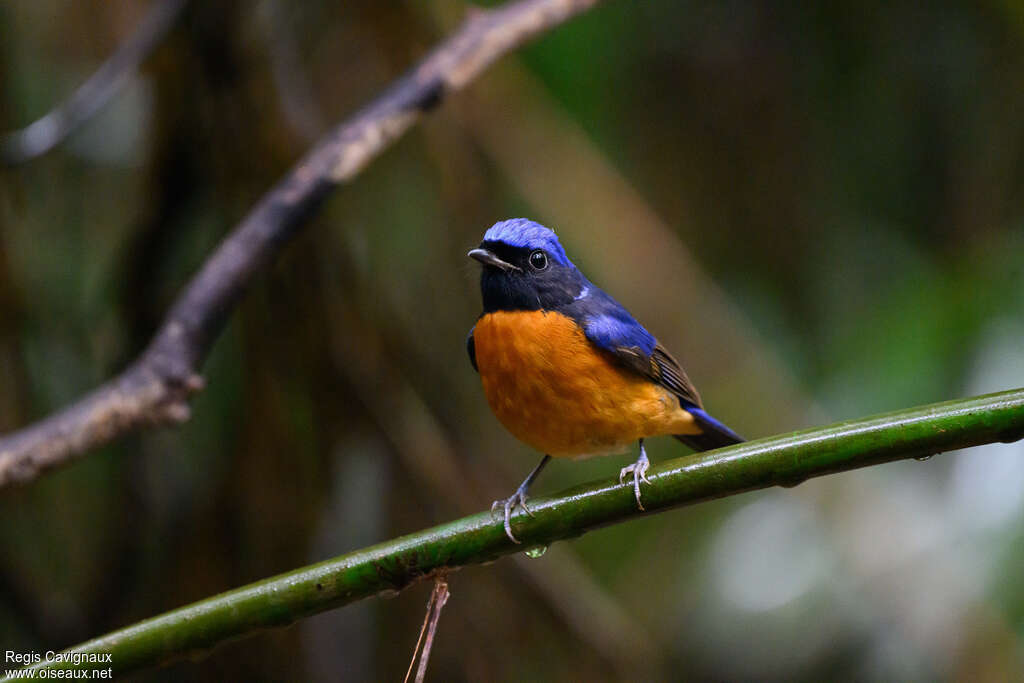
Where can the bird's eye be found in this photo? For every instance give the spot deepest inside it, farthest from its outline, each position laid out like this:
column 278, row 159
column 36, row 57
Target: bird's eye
column 538, row 260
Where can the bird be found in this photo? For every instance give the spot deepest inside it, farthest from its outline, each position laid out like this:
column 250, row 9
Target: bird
column 567, row 369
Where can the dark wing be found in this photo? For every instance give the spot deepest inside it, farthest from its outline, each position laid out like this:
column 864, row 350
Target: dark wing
column 660, row 367
column 671, row 376
column 471, row 348
column 716, row 434
column 611, row 328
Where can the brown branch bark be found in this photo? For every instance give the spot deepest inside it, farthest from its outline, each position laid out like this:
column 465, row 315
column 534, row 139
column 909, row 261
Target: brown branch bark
column 155, row 389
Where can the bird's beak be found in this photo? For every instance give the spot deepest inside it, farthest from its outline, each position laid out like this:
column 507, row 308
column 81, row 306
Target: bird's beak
column 489, row 259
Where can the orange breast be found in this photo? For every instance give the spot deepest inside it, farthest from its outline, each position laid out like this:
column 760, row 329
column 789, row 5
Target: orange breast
column 556, row 392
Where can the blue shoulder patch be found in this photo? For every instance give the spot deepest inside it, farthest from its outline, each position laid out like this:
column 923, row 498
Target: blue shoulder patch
column 610, row 332
column 527, row 234
column 611, row 326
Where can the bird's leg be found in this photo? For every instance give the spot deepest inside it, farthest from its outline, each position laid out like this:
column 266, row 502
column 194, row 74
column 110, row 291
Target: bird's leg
column 639, row 472
column 518, row 498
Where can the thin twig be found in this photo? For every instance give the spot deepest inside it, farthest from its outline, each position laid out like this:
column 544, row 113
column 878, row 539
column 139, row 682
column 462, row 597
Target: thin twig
column 423, row 630
column 45, row 133
column 440, row 593
column 155, row 388
column 435, row 603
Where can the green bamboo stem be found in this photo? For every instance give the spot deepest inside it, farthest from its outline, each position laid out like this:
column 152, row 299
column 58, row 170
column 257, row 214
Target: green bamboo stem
column 390, row 566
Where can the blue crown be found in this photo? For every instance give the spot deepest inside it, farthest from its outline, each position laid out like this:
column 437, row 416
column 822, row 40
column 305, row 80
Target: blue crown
column 527, row 234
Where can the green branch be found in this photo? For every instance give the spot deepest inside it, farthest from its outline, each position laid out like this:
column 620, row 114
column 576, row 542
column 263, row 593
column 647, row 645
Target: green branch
column 776, row 461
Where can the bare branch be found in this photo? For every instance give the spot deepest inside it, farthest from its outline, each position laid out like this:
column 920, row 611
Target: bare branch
column 155, row 388
column 47, row 132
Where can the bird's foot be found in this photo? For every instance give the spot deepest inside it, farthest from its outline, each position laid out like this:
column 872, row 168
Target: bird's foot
column 517, row 499
column 638, row 470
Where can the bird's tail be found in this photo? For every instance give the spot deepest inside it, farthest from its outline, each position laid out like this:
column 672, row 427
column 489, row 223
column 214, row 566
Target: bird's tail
column 715, row 434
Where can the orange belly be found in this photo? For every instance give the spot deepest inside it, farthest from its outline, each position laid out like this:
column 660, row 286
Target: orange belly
column 554, row 391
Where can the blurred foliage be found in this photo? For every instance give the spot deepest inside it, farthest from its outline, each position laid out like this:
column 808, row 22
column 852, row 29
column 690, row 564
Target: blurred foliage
column 833, row 227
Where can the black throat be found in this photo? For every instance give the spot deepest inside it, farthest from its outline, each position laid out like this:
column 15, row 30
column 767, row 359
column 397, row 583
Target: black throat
column 527, row 290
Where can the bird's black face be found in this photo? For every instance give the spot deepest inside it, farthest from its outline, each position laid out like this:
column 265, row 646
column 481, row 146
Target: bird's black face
column 524, row 279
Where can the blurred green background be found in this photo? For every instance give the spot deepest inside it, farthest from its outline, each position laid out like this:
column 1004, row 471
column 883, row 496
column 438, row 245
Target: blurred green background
column 817, row 206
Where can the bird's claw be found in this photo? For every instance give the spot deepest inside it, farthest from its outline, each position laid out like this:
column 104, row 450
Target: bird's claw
column 508, row 505
column 639, row 472
column 635, row 469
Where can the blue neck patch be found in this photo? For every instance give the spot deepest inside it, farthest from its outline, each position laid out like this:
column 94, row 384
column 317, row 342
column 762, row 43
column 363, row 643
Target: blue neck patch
column 527, row 234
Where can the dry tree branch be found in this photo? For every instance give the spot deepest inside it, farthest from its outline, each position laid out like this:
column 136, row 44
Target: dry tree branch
column 156, row 387
column 436, row 602
column 45, row 133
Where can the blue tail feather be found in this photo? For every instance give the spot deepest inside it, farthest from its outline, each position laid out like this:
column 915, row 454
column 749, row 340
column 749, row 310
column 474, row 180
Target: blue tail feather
column 715, row 435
